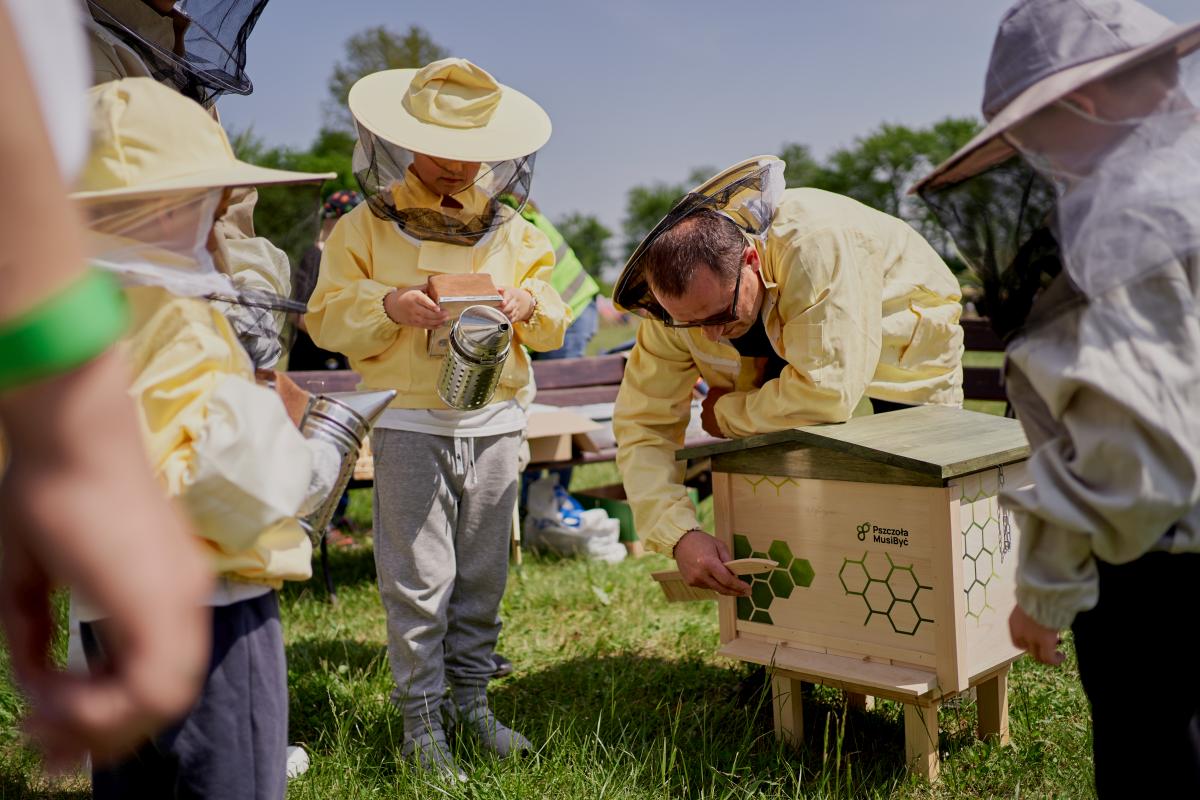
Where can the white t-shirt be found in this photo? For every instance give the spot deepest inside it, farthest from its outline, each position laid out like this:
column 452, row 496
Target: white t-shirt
column 55, row 50
column 491, row 420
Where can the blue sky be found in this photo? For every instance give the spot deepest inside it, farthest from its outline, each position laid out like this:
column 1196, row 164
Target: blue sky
column 646, row 91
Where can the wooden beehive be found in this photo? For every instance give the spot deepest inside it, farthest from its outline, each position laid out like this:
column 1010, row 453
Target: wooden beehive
column 897, row 565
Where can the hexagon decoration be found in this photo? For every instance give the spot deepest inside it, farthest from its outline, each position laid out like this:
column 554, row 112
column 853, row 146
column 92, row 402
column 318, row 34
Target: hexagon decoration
column 780, row 553
column 761, row 594
column 888, row 590
column 853, row 576
column 765, row 587
column 979, row 513
column 741, row 546
column 781, row 583
column 802, row 572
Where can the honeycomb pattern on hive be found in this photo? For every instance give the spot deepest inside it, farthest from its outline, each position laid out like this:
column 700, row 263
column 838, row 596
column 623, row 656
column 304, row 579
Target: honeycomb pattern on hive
column 980, row 521
column 775, row 483
column 766, row 586
column 888, row 589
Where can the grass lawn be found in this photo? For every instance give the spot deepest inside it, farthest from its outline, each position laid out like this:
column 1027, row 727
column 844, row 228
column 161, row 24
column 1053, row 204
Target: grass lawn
column 624, row 698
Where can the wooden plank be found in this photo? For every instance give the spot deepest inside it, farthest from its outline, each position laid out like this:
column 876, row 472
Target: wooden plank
column 933, row 440
column 324, row 381
column 837, row 645
column 951, row 600
column 989, row 557
column 723, row 524
column 984, row 383
column 788, row 709
column 978, row 335
column 857, row 701
column 819, row 522
column 908, row 684
column 803, row 461
column 677, row 590
column 921, row 740
column 572, row 373
column 583, row 396
column 992, row 703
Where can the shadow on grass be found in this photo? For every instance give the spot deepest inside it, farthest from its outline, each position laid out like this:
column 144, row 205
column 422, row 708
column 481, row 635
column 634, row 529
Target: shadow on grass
column 350, row 568
column 714, row 724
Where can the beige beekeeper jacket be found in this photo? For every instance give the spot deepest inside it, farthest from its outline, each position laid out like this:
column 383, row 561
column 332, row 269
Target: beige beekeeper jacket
column 365, row 258
column 857, row 303
column 252, row 261
column 220, row 443
column 1108, row 390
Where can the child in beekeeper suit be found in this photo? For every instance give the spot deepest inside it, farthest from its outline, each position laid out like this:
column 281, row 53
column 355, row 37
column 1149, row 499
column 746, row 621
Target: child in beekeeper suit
column 160, row 171
column 438, row 147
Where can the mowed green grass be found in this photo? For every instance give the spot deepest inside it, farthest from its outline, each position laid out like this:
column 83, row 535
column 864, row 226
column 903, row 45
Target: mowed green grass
column 624, row 698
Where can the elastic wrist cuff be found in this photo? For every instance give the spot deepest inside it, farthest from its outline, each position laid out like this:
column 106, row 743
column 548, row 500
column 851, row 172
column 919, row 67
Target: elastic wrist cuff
column 67, row 330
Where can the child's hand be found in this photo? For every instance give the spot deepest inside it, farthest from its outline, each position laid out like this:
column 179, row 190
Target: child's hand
column 518, row 304
column 414, row 308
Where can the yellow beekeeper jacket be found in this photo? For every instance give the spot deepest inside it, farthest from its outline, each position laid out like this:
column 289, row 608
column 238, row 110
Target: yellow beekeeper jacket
column 366, row 257
column 251, row 261
column 856, row 302
column 221, row 444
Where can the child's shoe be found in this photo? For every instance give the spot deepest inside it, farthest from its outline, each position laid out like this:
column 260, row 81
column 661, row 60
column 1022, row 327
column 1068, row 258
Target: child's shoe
column 427, row 748
column 492, row 734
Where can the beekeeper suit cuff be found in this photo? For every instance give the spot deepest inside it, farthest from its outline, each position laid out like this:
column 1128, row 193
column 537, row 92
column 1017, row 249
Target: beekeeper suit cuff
column 1057, row 576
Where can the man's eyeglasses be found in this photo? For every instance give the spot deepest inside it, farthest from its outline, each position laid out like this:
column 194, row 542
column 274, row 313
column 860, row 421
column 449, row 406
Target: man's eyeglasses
column 724, row 318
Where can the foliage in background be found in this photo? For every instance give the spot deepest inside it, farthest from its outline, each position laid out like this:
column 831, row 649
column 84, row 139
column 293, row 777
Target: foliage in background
column 289, row 216
column 877, row 169
column 373, row 50
column 588, row 237
column 646, row 205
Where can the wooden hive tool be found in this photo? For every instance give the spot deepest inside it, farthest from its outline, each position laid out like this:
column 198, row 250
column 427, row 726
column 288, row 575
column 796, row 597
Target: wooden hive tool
column 678, row 591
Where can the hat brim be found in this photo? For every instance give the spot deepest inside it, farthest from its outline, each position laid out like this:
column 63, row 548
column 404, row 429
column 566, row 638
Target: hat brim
column 517, row 128
column 235, row 175
column 631, row 280
column 989, row 147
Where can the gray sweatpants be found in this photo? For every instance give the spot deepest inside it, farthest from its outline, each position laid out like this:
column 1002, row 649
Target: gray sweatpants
column 443, row 517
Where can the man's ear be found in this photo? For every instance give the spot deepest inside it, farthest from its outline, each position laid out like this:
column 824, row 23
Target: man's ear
column 750, row 257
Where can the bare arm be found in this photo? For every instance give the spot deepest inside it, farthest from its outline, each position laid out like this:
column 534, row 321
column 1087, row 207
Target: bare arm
column 78, row 503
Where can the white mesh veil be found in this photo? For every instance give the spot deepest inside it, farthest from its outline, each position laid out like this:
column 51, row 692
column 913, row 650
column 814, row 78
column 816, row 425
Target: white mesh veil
column 463, row 216
column 1123, row 155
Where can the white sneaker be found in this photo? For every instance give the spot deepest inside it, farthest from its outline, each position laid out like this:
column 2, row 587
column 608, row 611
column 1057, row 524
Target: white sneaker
column 297, row 761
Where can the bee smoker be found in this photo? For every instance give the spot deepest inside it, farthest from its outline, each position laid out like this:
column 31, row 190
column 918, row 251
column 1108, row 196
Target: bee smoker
column 479, row 345
column 343, row 419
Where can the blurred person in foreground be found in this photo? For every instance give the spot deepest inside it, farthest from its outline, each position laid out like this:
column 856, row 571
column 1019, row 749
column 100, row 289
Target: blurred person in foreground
column 159, row 175
column 793, row 306
column 78, row 502
column 1079, row 208
column 198, row 48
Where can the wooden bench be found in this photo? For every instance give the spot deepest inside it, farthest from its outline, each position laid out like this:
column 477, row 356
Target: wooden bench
column 982, row 383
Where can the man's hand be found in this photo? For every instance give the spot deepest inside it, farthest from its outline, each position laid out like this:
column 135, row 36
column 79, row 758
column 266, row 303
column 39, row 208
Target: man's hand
column 701, row 559
column 414, row 308
column 518, row 304
column 708, row 412
column 1039, row 641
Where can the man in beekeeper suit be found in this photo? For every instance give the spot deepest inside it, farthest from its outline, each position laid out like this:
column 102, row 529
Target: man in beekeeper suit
column 792, row 306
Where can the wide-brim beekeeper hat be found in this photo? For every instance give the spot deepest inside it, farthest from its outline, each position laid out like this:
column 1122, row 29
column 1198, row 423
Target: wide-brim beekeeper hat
column 746, row 193
column 148, row 139
column 449, row 109
column 1046, row 49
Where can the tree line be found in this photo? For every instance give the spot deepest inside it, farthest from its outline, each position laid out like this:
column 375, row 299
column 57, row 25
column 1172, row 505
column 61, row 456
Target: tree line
column 876, row 169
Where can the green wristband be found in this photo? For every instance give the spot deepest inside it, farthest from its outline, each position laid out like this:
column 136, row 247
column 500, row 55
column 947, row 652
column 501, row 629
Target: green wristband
column 69, row 329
